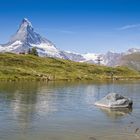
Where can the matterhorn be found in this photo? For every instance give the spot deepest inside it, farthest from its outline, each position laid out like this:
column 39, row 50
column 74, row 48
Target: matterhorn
column 26, row 38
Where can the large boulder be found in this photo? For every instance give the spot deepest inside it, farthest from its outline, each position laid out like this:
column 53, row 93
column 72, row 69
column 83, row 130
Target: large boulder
column 114, row 100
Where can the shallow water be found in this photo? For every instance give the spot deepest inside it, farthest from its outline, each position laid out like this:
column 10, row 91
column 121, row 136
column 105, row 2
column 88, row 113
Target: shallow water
column 66, row 111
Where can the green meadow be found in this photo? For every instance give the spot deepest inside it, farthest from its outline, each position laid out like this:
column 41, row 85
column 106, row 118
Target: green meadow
column 15, row 67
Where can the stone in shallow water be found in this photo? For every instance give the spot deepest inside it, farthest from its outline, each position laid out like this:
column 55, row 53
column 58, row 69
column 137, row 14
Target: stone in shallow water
column 92, row 138
column 114, row 100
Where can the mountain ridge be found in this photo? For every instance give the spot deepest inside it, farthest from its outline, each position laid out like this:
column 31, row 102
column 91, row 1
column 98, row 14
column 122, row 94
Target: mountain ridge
column 26, row 38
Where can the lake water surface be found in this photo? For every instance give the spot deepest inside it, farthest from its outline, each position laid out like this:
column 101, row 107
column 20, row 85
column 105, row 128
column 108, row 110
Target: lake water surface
column 66, row 111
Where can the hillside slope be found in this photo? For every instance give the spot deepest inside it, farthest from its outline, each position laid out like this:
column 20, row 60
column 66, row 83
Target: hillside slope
column 16, row 67
column 132, row 61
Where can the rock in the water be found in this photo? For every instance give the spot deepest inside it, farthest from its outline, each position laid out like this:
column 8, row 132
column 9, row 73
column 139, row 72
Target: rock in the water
column 114, row 100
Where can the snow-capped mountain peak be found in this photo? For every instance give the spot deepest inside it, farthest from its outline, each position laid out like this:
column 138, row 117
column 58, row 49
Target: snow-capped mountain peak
column 26, row 38
column 133, row 50
column 25, row 25
column 26, row 33
column 25, row 28
column 26, row 22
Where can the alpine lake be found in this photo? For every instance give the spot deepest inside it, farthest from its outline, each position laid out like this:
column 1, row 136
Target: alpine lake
column 66, row 111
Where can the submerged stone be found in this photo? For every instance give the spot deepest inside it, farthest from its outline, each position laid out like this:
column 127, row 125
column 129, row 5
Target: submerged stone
column 114, row 100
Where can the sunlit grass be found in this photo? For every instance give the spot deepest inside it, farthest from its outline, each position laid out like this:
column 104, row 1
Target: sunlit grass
column 29, row 67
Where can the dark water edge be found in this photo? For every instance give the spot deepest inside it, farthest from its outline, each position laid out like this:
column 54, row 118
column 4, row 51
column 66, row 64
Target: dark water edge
column 76, row 79
column 65, row 111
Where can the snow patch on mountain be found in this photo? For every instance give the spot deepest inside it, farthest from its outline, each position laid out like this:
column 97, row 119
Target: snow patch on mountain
column 72, row 52
column 73, row 56
column 90, row 56
column 47, row 50
column 26, row 38
column 11, row 47
column 132, row 50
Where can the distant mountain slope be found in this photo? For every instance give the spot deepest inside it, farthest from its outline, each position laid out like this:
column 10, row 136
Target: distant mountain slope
column 111, row 58
column 73, row 56
column 131, row 60
column 26, row 38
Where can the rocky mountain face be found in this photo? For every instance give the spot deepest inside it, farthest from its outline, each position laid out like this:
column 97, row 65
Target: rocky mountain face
column 131, row 60
column 26, row 38
column 111, row 58
column 132, row 50
column 73, row 56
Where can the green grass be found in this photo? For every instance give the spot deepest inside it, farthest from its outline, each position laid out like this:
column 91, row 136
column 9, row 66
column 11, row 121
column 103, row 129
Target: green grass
column 29, row 67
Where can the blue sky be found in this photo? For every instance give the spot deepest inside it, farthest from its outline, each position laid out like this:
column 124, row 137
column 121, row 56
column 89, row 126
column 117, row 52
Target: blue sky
column 77, row 25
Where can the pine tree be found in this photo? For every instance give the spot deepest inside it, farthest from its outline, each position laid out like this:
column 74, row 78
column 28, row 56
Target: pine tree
column 34, row 51
column 29, row 51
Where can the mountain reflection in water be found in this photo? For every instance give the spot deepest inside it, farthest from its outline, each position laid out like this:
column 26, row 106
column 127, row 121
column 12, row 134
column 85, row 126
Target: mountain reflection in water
column 65, row 111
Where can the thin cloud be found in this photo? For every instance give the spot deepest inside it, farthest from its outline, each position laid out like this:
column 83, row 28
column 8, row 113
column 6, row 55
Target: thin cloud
column 57, row 30
column 127, row 27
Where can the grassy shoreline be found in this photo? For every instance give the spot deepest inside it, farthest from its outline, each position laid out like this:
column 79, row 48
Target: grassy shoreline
column 14, row 67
